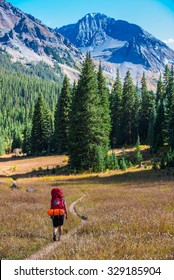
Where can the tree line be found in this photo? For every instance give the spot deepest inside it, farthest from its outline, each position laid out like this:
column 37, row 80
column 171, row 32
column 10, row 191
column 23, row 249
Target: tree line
column 88, row 119
column 18, row 94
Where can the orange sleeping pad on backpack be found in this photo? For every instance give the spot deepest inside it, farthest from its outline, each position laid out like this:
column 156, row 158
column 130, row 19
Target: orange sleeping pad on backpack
column 55, row 212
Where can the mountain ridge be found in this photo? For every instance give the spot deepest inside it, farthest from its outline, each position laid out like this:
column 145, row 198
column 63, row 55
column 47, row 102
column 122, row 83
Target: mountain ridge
column 27, row 40
column 117, row 43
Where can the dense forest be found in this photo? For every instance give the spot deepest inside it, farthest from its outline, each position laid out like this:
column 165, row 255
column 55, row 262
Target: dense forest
column 87, row 119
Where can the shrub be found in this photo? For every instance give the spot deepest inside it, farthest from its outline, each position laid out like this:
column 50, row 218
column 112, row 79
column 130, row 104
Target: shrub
column 111, row 162
column 170, row 158
column 137, row 154
column 122, row 164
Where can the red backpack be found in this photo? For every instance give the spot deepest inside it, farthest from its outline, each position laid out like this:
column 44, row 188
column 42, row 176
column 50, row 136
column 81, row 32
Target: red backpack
column 57, row 201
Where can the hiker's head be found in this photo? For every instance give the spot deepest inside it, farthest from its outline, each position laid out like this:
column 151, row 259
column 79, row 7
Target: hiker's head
column 57, row 192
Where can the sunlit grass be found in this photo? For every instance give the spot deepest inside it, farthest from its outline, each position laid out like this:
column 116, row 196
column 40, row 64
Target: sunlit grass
column 130, row 215
column 130, row 222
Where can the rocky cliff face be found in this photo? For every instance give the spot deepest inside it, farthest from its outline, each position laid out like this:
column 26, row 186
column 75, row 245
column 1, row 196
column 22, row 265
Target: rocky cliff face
column 27, row 39
column 118, row 44
column 94, row 29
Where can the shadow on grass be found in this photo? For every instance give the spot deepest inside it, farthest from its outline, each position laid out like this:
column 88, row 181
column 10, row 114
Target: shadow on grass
column 139, row 176
column 40, row 173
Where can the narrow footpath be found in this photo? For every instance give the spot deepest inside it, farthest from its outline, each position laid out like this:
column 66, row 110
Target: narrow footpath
column 41, row 254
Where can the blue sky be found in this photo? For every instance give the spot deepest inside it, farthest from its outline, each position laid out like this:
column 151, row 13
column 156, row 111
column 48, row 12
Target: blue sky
column 155, row 16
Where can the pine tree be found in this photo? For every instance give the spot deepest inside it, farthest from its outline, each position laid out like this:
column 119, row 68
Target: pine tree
column 26, row 146
column 137, row 154
column 160, row 90
column 17, row 140
column 2, row 146
column 170, row 109
column 86, row 132
column 122, row 162
column 152, row 120
column 105, row 120
column 166, row 78
column 62, row 114
column 116, row 112
column 41, row 127
column 159, row 128
column 129, row 123
column 145, row 111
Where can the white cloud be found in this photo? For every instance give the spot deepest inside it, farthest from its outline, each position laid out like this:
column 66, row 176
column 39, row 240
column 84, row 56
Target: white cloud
column 169, row 41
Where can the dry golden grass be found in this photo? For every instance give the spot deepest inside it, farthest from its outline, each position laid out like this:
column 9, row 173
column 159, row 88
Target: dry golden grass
column 127, row 222
column 24, row 224
column 9, row 164
column 130, row 215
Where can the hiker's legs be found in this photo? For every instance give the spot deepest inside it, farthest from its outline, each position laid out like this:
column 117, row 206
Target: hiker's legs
column 60, row 232
column 57, row 225
column 54, row 233
column 54, row 230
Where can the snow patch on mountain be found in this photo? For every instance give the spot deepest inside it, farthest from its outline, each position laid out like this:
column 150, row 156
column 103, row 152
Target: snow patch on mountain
column 104, row 49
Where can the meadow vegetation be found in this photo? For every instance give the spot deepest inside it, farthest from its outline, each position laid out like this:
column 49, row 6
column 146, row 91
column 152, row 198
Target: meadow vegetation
column 130, row 214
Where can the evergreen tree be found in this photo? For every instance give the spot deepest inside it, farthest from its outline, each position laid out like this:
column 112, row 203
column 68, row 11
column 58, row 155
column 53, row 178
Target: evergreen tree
column 105, row 119
column 17, row 140
column 2, row 146
column 41, row 127
column 145, row 111
column 62, row 114
column 123, row 161
column 18, row 94
column 116, row 112
column 170, row 109
column 74, row 88
column 26, row 146
column 160, row 90
column 152, row 120
column 159, row 128
column 86, row 133
column 129, row 123
column 111, row 161
column 137, row 154
column 166, row 78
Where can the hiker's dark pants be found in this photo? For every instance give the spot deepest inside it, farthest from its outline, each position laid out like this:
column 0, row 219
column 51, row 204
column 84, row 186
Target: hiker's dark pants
column 58, row 221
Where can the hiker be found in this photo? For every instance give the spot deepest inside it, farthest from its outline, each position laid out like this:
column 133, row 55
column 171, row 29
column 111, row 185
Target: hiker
column 59, row 210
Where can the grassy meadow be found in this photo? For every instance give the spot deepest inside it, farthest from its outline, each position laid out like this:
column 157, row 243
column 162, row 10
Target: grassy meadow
column 130, row 214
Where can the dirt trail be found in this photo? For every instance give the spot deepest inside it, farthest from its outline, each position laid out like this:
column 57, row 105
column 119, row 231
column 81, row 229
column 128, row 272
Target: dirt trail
column 39, row 255
column 51, row 247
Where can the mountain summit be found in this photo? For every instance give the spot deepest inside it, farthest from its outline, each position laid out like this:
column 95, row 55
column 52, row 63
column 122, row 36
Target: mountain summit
column 118, row 42
column 94, row 29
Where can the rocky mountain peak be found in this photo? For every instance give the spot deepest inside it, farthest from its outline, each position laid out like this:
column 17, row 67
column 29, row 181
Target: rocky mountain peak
column 118, row 43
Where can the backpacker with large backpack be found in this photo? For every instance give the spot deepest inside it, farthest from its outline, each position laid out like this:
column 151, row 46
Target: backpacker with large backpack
column 57, row 203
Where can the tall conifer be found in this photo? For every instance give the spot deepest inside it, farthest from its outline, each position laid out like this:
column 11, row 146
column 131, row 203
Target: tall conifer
column 160, row 90
column 129, row 122
column 116, row 112
column 62, row 114
column 41, row 127
column 26, row 146
column 145, row 111
column 159, row 127
column 170, row 108
column 86, row 138
column 104, row 108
